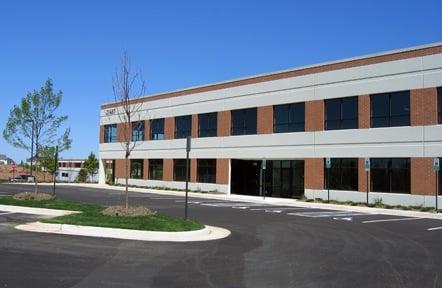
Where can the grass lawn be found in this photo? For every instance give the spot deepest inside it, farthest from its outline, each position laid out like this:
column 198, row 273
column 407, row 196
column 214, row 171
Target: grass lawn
column 91, row 216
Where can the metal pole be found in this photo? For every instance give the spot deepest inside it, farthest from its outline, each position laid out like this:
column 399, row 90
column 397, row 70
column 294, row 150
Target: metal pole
column 260, row 180
column 367, row 185
column 188, row 142
column 264, row 183
column 437, row 189
column 55, row 167
column 328, row 184
column 32, row 145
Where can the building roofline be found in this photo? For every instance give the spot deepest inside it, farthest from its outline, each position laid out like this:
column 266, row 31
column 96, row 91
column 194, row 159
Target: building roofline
column 182, row 92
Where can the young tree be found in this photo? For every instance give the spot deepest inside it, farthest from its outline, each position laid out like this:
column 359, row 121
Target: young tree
column 46, row 159
column 91, row 165
column 127, row 86
column 35, row 119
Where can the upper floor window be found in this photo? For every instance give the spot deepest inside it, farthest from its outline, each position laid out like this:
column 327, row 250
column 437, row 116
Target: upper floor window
column 138, row 131
column 439, row 104
column 207, row 124
column 183, row 126
column 110, row 133
column 390, row 109
column 244, row 121
column 136, row 168
column 289, row 118
column 206, row 170
column 341, row 113
column 157, row 129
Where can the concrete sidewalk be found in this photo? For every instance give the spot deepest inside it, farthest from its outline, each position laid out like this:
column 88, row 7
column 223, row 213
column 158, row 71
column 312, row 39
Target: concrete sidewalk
column 267, row 201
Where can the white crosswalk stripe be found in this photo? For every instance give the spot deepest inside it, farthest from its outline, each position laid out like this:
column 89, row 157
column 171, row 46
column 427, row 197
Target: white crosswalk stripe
column 324, row 214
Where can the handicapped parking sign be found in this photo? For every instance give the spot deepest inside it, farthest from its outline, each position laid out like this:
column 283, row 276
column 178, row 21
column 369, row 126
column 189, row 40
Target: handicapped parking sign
column 436, row 164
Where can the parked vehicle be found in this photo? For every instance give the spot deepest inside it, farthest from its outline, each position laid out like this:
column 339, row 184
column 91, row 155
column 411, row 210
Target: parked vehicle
column 22, row 178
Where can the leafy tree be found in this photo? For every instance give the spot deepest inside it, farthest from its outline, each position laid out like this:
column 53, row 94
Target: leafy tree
column 82, row 175
column 35, row 118
column 91, row 165
column 46, row 158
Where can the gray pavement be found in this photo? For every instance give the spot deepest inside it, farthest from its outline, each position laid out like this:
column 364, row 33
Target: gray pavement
column 270, row 246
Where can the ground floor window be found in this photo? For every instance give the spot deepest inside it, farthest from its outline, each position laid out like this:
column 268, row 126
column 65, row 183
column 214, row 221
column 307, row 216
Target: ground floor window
column 391, row 175
column 136, row 168
column 343, row 174
column 156, row 169
column 179, row 169
column 206, row 170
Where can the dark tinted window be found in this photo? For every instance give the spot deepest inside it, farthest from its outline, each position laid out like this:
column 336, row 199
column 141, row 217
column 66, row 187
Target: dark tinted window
column 110, row 133
column 138, row 131
column 206, row 170
column 157, row 129
column 390, row 109
column 244, row 121
column 390, row 175
column 289, row 118
column 183, row 126
column 439, row 102
column 341, row 113
column 207, row 124
column 343, row 174
column 156, row 169
column 179, row 169
column 136, row 168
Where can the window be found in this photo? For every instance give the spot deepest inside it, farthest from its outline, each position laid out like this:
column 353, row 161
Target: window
column 289, row 118
column 390, row 109
column 206, row 170
column 207, row 124
column 63, row 174
column 391, row 175
column 157, row 129
column 136, row 168
column 341, row 113
column 439, row 104
column 183, row 126
column 343, row 174
column 179, row 169
column 110, row 133
column 244, row 121
column 138, row 131
column 77, row 165
column 156, row 169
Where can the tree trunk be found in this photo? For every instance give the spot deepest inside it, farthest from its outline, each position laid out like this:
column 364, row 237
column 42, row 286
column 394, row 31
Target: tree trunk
column 127, row 181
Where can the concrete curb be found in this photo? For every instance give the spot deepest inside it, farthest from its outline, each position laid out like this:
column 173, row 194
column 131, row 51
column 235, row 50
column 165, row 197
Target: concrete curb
column 33, row 210
column 205, row 234
column 272, row 201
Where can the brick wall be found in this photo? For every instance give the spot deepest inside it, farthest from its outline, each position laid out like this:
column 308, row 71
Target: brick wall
column 168, row 169
column 265, row 120
column 362, row 176
column 101, row 133
column 423, row 106
column 222, row 171
column 224, row 123
column 314, row 173
column 364, row 111
column 314, row 115
column 194, row 126
column 169, row 128
column 119, row 168
column 145, row 169
column 193, row 170
column 423, row 178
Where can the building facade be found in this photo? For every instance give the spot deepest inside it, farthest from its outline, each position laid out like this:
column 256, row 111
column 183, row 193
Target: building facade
column 384, row 107
column 68, row 170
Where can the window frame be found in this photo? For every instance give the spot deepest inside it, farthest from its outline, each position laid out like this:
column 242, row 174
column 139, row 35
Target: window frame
column 374, row 117
column 154, row 135
column 112, row 138
column 157, row 166
column 389, row 171
column 208, row 118
column 341, row 120
column 137, row 134
column 242, row 128
column 337, row 172
column 290, row 124
column 138, row 169
column 180, row 122
column 206, row 171
column 182, row 165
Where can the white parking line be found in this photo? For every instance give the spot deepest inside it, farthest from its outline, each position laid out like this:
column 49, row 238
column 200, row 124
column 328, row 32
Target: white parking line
column 390, row 220
column 165, row 198
column 326, row 214
column 277, row 209
column 434, row 228
column 232, row 205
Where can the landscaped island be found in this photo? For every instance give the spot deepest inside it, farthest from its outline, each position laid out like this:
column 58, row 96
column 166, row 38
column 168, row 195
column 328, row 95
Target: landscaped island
column 91, row 215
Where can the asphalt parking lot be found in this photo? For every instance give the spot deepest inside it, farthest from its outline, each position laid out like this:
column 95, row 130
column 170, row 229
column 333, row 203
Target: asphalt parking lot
column 270, row 246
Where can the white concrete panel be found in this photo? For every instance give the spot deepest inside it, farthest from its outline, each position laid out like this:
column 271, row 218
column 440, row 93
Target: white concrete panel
column 433, row 78
column 207, row 187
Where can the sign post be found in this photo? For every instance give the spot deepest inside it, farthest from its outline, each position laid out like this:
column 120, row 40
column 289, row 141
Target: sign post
column 436, row 168
column 55, row 167
column 328, row 166
column 188, row 142
column 14, row 167
column 262, row 178
column 367, row 169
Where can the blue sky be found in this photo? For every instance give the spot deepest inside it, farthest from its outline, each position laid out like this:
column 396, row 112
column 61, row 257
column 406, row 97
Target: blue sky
column 177, row 44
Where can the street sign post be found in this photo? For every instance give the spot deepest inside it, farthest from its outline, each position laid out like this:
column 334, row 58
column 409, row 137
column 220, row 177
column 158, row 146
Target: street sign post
column 262, row 178
column 55, row 167
column 14, row 167
column 328, row 166
column 436, row 169
column 367, row 169
column 188, row 144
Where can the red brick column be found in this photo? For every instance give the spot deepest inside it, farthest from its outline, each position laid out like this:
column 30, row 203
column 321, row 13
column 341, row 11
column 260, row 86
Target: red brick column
column 119, row 168
column 265, row 120
column 423, row 106
column 147, row 130
column 169, row 128
column 314, row 115
column 423, row 178
column 193, row 170
column 364, row 111
column 194, row 132
column 314, row 173
column 224, row 123
column 222, row 171
column 168, row 169
column 145, row 169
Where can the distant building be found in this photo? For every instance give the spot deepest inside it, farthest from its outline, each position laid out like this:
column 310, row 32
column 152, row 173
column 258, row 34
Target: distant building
column 68, row 170
column 5, row 160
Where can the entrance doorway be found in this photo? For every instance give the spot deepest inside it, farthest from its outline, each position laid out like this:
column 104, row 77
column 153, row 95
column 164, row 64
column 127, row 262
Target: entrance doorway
column 245, row 177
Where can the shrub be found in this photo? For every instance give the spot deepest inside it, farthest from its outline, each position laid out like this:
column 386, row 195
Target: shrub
column 82, row 175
